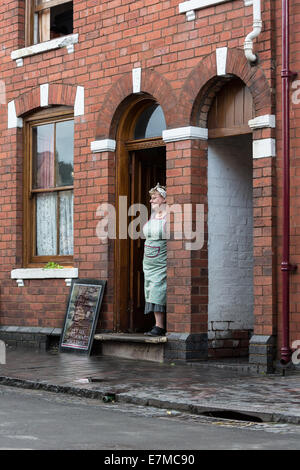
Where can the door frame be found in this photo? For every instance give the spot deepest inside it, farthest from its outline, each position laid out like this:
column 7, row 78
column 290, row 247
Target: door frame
column 125, row 144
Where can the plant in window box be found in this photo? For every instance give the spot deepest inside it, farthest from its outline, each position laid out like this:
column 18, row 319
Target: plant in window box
column 52, row 265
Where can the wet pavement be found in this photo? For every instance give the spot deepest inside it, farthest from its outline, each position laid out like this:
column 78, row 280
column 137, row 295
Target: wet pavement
column 216, row 389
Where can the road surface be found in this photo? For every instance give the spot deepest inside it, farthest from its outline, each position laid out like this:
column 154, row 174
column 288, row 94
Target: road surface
column 39, row 420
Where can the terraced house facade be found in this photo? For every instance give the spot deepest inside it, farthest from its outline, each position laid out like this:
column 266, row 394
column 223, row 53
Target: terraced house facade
column 100, row 100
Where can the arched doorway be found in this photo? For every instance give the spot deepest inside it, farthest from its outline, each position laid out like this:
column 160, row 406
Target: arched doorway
column 141, row 163
column 230, row 221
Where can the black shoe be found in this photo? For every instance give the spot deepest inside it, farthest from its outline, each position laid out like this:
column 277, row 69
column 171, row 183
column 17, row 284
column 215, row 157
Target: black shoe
column 156, row 331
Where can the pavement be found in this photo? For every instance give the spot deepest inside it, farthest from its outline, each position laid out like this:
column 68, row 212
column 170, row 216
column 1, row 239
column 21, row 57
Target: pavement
column 223, row 389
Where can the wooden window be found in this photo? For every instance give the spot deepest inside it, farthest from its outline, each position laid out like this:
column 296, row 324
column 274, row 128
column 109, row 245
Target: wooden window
column 47, row 19
column 146, row 127
column 48, row 188
column 151, row 123
column 231, row 110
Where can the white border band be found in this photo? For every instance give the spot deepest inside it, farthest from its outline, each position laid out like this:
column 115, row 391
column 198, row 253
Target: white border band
column 185, row 133
column 190, row 6
column 44, row 94
column 40, row 273
column 136, row 80
column 65, row 41
column 79, row 101
column 264, row 148
column 12, row 119
column 105, row 145
column 221, row 59
column 267, row 120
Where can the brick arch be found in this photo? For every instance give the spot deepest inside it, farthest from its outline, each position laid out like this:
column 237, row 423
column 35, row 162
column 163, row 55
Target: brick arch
column 59, row 94
column 203, row 83
column 120, row 94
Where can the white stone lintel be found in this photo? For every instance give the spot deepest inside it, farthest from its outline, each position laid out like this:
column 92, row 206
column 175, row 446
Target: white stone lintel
column 185, row 133
column 267, row 120
column 40, row 273
column 264, row 148
column 56, row 43
column 105, row 145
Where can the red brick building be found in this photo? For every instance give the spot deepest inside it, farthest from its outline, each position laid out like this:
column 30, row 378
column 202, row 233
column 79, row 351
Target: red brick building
column 99, row 101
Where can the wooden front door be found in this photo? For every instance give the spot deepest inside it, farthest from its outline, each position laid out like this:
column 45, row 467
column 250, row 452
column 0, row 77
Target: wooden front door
column 141, row 165
column 147, row 168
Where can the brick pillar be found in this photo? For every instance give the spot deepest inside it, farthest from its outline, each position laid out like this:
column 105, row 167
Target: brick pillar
column 187, row 295
column 94, row 184
column 262, row 343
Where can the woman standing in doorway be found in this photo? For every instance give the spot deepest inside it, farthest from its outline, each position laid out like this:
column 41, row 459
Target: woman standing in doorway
column 155, row 261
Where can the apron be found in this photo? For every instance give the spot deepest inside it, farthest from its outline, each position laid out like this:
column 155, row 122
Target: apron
column 155, row 262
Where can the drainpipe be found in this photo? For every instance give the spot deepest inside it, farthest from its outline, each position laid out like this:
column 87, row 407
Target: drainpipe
column 286, row 267
column 257, row 27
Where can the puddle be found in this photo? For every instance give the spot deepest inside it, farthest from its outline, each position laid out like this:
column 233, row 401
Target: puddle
column 232, row 415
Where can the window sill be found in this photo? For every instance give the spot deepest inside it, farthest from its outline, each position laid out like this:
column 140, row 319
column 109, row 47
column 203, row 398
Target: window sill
column 190, row 6
column 57, row 43
column 40, row 273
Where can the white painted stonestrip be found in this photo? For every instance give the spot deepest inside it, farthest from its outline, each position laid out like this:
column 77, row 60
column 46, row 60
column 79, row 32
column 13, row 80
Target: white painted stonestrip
column 44, row 93
column 39, row 273
column 264, row 148
column 221, row 58
column 185, row 133
column 136, row 80
column 12, row 119
column 56, row 43
column 267, row 120
column 186, row 7
column 79, row 101
column 105, row 145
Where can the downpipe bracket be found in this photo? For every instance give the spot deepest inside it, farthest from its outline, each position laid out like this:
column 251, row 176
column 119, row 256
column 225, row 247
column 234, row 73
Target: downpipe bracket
column 291, row 268
column 285, row 361
column 289, row 74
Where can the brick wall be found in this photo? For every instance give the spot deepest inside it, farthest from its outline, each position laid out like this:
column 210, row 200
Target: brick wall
column 177, row 59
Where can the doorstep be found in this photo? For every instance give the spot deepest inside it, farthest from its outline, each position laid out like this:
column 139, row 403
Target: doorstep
column 131, row 346
column 133, row 337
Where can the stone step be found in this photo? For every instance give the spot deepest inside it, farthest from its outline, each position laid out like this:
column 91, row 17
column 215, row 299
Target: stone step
column 130, row 337
column 132, row 346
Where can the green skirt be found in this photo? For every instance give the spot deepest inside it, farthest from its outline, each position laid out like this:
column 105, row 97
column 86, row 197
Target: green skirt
column 155, row 272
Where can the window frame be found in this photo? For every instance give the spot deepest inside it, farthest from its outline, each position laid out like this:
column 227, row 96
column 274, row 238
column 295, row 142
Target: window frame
column 30, row 258
column 30, row 11
column 136, row 144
